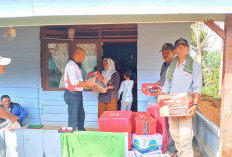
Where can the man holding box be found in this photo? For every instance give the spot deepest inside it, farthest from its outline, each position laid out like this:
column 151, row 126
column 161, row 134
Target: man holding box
column 168, row 55
column 73, row 90
column 184, row 76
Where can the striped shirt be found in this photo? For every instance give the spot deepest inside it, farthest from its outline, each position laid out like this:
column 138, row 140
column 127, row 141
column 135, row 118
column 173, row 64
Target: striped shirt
column 184, row 82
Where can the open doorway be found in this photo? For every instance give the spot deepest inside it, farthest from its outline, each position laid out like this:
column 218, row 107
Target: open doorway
column 124, row 55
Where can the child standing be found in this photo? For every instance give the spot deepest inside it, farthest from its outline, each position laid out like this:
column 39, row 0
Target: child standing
column 126, row 87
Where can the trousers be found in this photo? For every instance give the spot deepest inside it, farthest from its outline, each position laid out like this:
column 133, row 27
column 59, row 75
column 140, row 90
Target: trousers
column 76, row 112
column 181, row 129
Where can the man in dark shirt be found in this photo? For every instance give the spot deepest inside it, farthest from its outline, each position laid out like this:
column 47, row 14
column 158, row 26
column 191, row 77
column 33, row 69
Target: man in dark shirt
column 168, row 55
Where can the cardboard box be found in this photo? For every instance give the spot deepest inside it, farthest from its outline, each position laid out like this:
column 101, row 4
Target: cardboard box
column 143, row 123
column 150, row 89
column 147, row 143
column 131, row 153
column 116, row 121
column 149, row 154
column 99, row 80
column 175, row 104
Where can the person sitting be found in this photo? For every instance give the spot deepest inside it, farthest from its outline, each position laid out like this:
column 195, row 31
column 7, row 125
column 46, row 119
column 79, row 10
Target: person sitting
column 14, row 108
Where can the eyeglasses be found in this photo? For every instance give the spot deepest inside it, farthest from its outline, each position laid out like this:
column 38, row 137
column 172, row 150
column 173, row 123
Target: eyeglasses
column 181, row 48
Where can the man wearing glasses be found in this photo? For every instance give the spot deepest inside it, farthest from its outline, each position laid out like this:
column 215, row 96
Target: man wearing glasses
column 168, row 55
column 184, row 76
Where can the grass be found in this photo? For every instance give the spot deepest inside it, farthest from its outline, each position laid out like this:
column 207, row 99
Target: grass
column 210, row 91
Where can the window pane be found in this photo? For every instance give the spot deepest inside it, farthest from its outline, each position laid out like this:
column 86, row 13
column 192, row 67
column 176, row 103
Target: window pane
column 58, row 58
column 90, row 62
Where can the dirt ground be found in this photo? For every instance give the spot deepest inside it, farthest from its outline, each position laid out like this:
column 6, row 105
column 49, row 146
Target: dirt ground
column 210, row 108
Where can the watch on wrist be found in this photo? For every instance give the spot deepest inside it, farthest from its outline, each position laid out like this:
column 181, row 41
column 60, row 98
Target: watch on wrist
column 196, row 105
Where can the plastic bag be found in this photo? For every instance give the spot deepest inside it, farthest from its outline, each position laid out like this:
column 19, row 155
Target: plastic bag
column 8, row 125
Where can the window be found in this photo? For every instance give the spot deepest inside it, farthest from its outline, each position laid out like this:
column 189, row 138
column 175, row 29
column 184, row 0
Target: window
column 90, row 62
column 55, row 56
column 58, row 58
column 57, row 47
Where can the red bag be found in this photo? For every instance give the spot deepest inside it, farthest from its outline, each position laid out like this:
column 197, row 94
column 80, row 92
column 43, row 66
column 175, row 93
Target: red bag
column 161, row 126
column 150, row 89
column 116, row 121
column 143, row 124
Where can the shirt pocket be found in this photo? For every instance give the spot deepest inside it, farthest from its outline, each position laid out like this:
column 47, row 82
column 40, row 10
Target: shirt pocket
column 188, row 77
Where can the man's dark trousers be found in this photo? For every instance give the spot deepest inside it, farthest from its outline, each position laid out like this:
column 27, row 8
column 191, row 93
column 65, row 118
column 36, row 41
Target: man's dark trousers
column 76, row 112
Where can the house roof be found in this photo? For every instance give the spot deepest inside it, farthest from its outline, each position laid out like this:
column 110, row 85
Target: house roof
column 50, row 12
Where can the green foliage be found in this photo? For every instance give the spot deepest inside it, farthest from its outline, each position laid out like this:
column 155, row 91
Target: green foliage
column 210, row 73
column 197, row 28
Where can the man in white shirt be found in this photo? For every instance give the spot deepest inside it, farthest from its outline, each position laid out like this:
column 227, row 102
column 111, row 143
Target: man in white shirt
column 73, row 90
column 184, row 76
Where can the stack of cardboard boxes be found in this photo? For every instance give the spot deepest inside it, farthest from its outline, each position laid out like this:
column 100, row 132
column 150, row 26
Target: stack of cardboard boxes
column 141, row 127
column 147, row 131
column 116, row 121
column 145, row 140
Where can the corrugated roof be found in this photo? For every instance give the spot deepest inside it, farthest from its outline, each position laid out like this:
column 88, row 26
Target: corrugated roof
column 37, row 12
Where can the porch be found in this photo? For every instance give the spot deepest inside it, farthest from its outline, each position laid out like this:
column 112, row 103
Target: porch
column 22, row 80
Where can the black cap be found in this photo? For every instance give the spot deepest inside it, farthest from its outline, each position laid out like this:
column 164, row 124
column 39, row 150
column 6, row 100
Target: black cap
column 181, row 41
column 167, row 46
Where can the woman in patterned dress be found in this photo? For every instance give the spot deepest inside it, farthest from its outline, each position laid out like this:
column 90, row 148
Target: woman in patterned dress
column 107, row 101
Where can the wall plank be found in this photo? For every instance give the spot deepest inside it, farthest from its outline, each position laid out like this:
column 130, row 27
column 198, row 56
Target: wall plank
column 22, row 82
column 2, row 143
column 62, row 103
column 14, row 143
column 57, row 123
column 51, row 144
column 24, row 93
column 63, row 109
column 148, row 74
column 58, row 95
column 33, row 143
column 149, row 64
column 64, row 117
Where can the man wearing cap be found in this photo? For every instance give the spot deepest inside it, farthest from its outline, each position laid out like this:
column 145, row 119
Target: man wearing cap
column 168, row 55
column 184, row 75
column 3, row 63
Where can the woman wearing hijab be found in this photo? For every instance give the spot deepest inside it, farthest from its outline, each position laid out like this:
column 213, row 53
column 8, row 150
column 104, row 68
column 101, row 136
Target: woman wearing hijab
column 108, row 101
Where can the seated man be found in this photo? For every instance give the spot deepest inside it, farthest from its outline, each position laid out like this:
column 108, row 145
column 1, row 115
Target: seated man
column 14, row 108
